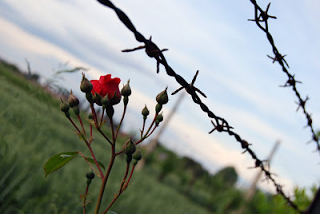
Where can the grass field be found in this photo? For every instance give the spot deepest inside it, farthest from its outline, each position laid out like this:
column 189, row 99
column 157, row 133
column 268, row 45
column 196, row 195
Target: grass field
column 32, row 129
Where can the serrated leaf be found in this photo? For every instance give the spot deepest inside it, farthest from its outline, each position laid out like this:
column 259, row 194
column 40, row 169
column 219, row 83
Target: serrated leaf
column 57, row 161
column 92, row 161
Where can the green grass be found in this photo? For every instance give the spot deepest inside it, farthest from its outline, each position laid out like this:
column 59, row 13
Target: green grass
column 31, row 130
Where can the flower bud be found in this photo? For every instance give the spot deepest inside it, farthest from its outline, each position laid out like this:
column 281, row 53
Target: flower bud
column 126, row 90
column 162, row 98
column 90, row 175
column 64, row 106
column 145, row 112
column 89, row 97
column 128, row 147
column 90, row 117
column 97, row 99
column 128, row 158
column 76, row 110
column 110, row 111
column 115, row 99
column 158, row 108
column 67, row 114
column 105, row 101
column 159, row 118
column 86, row 85
column 73, row 100
column 125, row 100
column 137, row 155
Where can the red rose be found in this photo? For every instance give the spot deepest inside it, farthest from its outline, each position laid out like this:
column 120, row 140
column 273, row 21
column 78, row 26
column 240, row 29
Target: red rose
column 107, row 85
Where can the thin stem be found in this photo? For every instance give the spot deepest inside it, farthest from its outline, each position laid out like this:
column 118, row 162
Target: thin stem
column 74, row 124
column 143, row 125
column 154, row 119
column 79, row 118
column 101, row 120
column 112, row 131
column 94, row 158
column 104, row 136
column 94, row 115
column 84, row 199
column 123, row 114
column 105, row 179
column 123, row 186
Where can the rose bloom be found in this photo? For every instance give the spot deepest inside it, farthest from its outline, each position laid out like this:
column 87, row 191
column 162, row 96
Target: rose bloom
column 107, row 85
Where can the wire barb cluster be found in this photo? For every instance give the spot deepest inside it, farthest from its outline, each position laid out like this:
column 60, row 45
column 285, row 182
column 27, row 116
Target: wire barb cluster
column 219, row 123
column 261, row 18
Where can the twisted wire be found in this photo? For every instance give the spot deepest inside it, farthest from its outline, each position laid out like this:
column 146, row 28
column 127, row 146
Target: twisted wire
column 219, row 123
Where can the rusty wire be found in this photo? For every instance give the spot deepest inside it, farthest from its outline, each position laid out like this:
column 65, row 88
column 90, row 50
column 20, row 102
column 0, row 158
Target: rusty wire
column 219, row 123
column 261, row 18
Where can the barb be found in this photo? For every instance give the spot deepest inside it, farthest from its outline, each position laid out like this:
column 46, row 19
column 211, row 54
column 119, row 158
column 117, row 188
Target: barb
column 220, row 124
column 261, row 18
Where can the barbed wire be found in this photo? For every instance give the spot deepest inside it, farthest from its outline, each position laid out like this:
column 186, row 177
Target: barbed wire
column 219, row 123
column 261, row 17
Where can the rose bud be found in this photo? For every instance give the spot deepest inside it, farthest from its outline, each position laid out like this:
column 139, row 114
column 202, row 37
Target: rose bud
column 159, row 118
column 105, row 101
column 73, row 100
column 137, row 155
column 128, row 147
column 162, row 98
column 126, row 90
column 90, row 175
column 76, row 110
column 158, row 108
column 125, row 100
column 115, row 99
column 64, row 106
column 145, row 112
column 85, row 85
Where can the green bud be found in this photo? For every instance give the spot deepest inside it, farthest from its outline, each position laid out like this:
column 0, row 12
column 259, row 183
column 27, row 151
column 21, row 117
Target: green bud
column 89, row 97
column 76, row 110
column 105, row 101
column 159, row 118
column 86, row 85
column 129, row 158
column 64, row 106
column 126, row 90
column 162, row 98
column 90, row 117
column 97, row 99
column 128, row 147
column 73, row 100
column 125, row 100
column 90, row 175
column 67, row 114
column 115, row 99
column 137, row 155
column 158, row 108
column 89, row 182
column 145, row 112
column 110, row 111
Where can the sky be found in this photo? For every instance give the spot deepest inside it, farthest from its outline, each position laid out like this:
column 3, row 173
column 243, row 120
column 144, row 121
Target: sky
column 214, row 37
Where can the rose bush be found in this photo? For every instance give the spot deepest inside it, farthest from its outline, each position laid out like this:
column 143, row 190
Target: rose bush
column 107, row 85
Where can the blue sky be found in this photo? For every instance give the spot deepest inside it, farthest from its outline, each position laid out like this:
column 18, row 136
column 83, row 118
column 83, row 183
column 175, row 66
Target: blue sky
column 214, row 37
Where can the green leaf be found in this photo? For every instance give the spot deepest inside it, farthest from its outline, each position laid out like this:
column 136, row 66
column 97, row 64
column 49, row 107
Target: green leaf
column 92, row 161
column 57, row 161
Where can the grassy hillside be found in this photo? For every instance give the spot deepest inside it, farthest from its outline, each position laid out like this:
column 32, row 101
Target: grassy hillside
column 31, row 130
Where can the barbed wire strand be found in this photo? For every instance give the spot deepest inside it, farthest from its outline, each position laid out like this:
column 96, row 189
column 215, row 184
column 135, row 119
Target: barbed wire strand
column 261, row 16
column 219, row 123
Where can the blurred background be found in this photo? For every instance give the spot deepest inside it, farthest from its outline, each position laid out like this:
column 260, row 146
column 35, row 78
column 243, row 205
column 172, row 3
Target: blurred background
column 214, row 37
